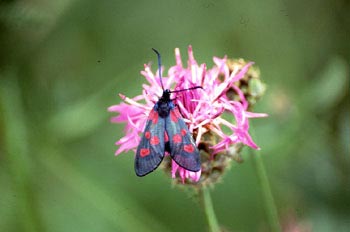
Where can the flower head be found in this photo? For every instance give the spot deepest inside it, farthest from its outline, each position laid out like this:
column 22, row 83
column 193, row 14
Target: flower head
column 216, row 115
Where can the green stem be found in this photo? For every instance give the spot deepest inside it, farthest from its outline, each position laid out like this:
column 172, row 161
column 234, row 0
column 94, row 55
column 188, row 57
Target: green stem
column 17, row 155
column 269, row 202
column 209, row 211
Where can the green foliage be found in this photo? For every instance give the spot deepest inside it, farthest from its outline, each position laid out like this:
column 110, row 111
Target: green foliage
column 62, row 63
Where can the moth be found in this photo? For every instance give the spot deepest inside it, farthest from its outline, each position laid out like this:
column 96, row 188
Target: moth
column 166, row 131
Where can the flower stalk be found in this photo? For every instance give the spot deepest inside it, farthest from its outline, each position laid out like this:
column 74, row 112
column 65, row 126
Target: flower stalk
column 269, row 203
column 209, row 210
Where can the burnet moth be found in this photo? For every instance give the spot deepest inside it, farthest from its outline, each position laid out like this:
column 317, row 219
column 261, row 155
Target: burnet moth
column 166, row 131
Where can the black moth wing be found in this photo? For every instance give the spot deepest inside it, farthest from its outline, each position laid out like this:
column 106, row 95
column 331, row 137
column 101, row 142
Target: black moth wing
column 150, row 151
column 183, row 149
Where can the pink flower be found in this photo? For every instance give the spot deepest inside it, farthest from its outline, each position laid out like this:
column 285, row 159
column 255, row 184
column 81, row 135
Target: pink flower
column 202, row 108
column 184, row 174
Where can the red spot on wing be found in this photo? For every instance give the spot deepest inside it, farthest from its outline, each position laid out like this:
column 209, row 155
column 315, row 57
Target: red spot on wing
column 166, row 137
column 189, row 148
column 144, row 152
column 183, row 132
column 173, row 116
column 154, row 140
column 147, row 135
column 154, row 117
column 177, row 138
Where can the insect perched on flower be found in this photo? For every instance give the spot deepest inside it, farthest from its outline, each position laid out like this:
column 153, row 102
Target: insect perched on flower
column 166, row 131
column 217, row 115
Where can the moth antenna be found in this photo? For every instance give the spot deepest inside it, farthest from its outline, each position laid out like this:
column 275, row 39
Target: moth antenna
column 159, row 67
column 181, row 90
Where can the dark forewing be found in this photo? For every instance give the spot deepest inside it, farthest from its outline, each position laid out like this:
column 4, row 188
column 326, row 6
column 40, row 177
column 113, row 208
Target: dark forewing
column 183, row 149
column 150, row 151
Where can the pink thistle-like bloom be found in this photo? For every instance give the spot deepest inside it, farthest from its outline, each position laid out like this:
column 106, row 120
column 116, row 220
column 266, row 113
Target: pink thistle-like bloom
column 202, row 109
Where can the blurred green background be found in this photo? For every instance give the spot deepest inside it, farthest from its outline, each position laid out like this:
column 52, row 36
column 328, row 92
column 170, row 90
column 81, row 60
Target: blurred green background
column 62, row 63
